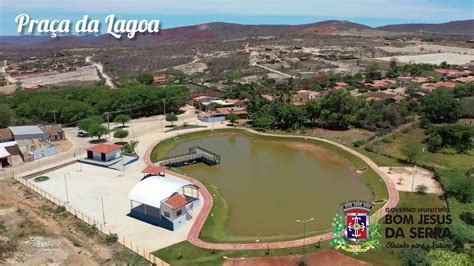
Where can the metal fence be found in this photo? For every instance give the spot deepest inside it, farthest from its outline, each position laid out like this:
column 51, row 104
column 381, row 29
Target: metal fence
column 89, row 220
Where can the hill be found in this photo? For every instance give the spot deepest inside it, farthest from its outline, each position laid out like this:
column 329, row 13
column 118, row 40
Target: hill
column 462, row 27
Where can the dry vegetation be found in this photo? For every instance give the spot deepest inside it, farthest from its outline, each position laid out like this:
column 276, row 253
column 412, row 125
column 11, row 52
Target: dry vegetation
column 34, row 231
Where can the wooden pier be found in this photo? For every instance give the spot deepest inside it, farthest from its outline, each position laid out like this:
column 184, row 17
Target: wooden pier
column 195, row 154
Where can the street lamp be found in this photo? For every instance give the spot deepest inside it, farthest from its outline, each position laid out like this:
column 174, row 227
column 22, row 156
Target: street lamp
column 164, row 113
column 65, row 185
column 233, row 259
column 304, row 231
column 103, row 209
column 413, row 179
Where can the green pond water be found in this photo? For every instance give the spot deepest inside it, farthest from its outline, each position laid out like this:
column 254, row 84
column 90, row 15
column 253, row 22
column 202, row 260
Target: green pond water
column 269, row 184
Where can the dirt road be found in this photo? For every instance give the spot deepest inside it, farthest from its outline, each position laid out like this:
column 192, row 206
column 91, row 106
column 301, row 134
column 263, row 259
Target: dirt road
column 100, row 68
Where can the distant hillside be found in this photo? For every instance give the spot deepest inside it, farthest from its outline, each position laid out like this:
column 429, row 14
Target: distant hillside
column 464, row 27
column 221, row 30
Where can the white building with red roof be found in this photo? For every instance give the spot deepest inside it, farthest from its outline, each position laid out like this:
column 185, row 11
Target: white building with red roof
column 104, row 152
column 162, row 199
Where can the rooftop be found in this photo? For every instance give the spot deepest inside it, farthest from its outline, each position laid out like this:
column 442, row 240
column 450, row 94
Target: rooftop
column 176, row 201
column 152, row 190
column 104, row 148
column 26, row 130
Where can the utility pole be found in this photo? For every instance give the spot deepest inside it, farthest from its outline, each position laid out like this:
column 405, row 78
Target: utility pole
column 108, row 122
column 304, row 231
column 54, row 113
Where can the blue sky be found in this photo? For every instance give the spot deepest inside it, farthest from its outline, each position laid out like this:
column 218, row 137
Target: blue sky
column 174, row 13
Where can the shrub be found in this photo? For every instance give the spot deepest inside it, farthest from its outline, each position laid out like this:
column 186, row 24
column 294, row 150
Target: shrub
column 111, row 239
column 41, row 178
column 421, row 189
column 467, row 217
column 120, row 134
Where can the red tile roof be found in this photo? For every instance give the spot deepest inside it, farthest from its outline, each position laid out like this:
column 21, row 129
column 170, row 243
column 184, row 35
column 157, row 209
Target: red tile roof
column 154, row 170
column 176, row 201
column 104, row 148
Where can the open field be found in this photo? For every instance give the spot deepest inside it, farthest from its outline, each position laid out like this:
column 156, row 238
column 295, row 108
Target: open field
column 436, row 58
column 391, row 146
column 82, row 74
column 430, row 48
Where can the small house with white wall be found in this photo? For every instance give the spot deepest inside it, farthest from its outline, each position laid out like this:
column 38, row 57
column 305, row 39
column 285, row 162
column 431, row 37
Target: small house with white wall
column 104, row 152
column 166, row 201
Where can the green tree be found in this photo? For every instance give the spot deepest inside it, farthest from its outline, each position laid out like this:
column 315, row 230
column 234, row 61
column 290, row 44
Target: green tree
column 85, row 124
column 145, row 78
column 232, row 118
column 120, row 134
column 171, row 117
column 373, row 72
column 232, row 75
column 313, row 109
column 412, row 152
column 421, row 189
column 414, row 257
column 122, row 119
column 459, row 186
column 444, row 257
column 97, row 130
column 440, row 106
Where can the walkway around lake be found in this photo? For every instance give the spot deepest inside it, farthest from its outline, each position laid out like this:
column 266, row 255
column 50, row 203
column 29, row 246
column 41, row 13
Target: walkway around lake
column 193, row 236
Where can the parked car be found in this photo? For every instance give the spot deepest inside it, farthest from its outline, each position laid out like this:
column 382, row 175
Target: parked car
column 82, row 134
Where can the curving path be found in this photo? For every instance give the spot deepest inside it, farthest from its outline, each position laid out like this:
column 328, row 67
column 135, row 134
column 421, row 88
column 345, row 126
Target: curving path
column 193, row 235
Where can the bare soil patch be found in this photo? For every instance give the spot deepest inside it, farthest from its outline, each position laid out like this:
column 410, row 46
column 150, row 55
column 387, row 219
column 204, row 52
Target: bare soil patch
column 403, row 179
column 34, row 231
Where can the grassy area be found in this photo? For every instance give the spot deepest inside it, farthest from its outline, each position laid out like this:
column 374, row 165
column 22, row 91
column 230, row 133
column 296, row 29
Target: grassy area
column 185, row 253
column 215, row 228
column 41, row 178
column 392, row 146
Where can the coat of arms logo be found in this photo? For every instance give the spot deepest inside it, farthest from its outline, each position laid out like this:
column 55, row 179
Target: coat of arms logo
column 353, row 230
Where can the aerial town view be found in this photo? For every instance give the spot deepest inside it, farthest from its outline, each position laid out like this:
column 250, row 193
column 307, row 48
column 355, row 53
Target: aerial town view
column 221, row 132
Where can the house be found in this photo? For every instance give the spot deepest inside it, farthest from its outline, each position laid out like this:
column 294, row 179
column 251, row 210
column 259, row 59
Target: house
column 5, row 135
column 404, row 80
column 241, row 112
column 382, row 96
column 270, row 98
column 166, row 201
column 453, row 73
column 381, row 84
column 429, row 87
column 212, row 105
column 341, row 85
column 303, row 96
column 104, row 152
column 464, row 79
column 10, row 154
column 162, row 79
column 211, row 117
column 54, row 132
column 28, row 133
